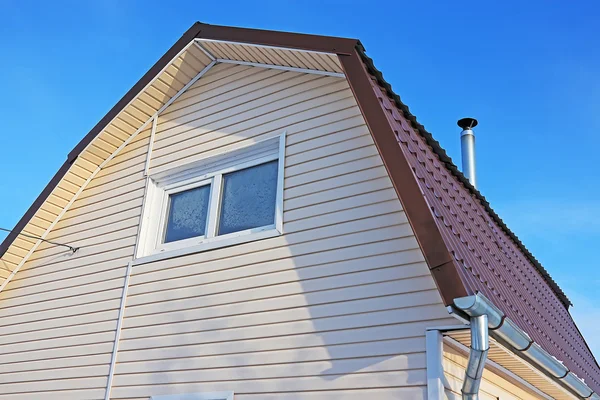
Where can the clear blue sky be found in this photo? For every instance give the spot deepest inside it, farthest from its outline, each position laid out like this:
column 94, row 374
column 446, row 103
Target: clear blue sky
column 529, row 71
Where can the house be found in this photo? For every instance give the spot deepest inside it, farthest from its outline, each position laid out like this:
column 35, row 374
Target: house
column 261, row 217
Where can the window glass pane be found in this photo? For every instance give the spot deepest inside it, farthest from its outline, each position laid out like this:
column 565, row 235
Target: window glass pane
column 187, row 214
column 248, row 198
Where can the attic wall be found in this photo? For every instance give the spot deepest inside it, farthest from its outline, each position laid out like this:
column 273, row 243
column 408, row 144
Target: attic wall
column 335, row 308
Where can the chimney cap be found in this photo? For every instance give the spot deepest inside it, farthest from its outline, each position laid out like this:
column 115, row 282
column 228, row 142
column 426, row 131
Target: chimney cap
column 467, row 123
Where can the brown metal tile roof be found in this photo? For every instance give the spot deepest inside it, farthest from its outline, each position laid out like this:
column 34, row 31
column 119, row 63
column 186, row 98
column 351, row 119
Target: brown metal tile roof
column 490, row 258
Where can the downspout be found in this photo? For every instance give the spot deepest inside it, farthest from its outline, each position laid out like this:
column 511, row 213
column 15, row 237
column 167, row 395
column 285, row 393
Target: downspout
column 480, row 344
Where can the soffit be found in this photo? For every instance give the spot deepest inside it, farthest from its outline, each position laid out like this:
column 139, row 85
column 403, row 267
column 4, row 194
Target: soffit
column 515, row 364
column 270, row 55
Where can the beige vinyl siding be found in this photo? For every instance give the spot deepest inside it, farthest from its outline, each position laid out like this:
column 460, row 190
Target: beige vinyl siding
column 493, row 385
column 335, row 308
column 58, row 315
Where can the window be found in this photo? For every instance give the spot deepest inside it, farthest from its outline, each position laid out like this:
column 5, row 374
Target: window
column 229, row 198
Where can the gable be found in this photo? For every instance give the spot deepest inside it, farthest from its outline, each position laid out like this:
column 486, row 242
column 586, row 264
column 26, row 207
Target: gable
column 344, row 292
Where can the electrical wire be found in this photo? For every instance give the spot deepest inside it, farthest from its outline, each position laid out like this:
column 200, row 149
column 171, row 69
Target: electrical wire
column 73, row 249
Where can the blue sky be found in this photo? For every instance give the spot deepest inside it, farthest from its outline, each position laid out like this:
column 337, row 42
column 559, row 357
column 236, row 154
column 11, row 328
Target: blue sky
column 527, row 70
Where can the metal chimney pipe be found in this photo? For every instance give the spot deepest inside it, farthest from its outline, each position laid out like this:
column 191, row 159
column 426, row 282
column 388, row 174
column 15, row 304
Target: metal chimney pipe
column 467, row 144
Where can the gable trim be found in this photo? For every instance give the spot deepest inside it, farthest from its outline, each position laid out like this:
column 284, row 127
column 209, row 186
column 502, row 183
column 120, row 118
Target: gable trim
column 453, row 169
column 154, row 71
column 439, row 260
column 151, row 119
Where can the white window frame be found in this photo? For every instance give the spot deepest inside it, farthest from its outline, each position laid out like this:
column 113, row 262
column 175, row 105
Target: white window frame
column 196, row 396
column 150, row 246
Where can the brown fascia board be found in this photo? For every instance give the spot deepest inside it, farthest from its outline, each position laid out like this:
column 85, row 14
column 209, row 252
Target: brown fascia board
column 437, row 256
column 300, row 41
column 440, row 261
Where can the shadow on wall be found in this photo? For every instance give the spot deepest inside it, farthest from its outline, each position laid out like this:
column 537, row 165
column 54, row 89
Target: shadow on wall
column 342, row 300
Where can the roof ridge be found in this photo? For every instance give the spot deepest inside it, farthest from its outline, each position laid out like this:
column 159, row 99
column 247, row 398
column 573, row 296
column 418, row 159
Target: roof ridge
column 449, row 164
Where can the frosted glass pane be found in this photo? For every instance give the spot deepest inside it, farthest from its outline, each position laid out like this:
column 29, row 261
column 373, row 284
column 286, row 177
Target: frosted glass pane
column 248, row 198
column 187, row 214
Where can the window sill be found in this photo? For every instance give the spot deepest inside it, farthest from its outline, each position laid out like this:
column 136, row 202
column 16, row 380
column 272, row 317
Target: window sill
column 210, row 244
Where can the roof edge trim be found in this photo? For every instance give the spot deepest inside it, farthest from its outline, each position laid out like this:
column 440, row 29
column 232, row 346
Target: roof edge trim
column 447, row 161
column 441, row 263
column 186, row 38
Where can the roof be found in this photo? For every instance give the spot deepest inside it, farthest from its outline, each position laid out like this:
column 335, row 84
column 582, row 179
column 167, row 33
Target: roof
column 460, row 177
column 488, row 256
column 466, row 245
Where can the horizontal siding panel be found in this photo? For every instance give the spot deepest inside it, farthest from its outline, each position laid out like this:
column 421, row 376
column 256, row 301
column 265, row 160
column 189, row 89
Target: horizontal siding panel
column 296, row 384
column 89, row 242
column 91, row 309
column 214, row 319
column 50, row 354
column 86, row 255
column 216, row 332
column 220, row 137
column 177, row 311
column 373, row 254
column 350, row 130
column 35, row 330
column 257, row 84
column 228, row 114
column 345, row 203
column 333, row 232
column 251, row 124
column 115, row 257
column 99, row 199
column 97, row 287
column 91, row 273
column 310, row 248
column 283, row 288
column 25, row 287
column 373, row 185
column 57, row 364
column 78, row 237
column 332, row 171
column 259, row 372
column 52, row 385
column 53, row 343
column 91, row 394
column 329, row 149
column 406, row 334
column 263, row 298
column 408, row 392
column 320, row 353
